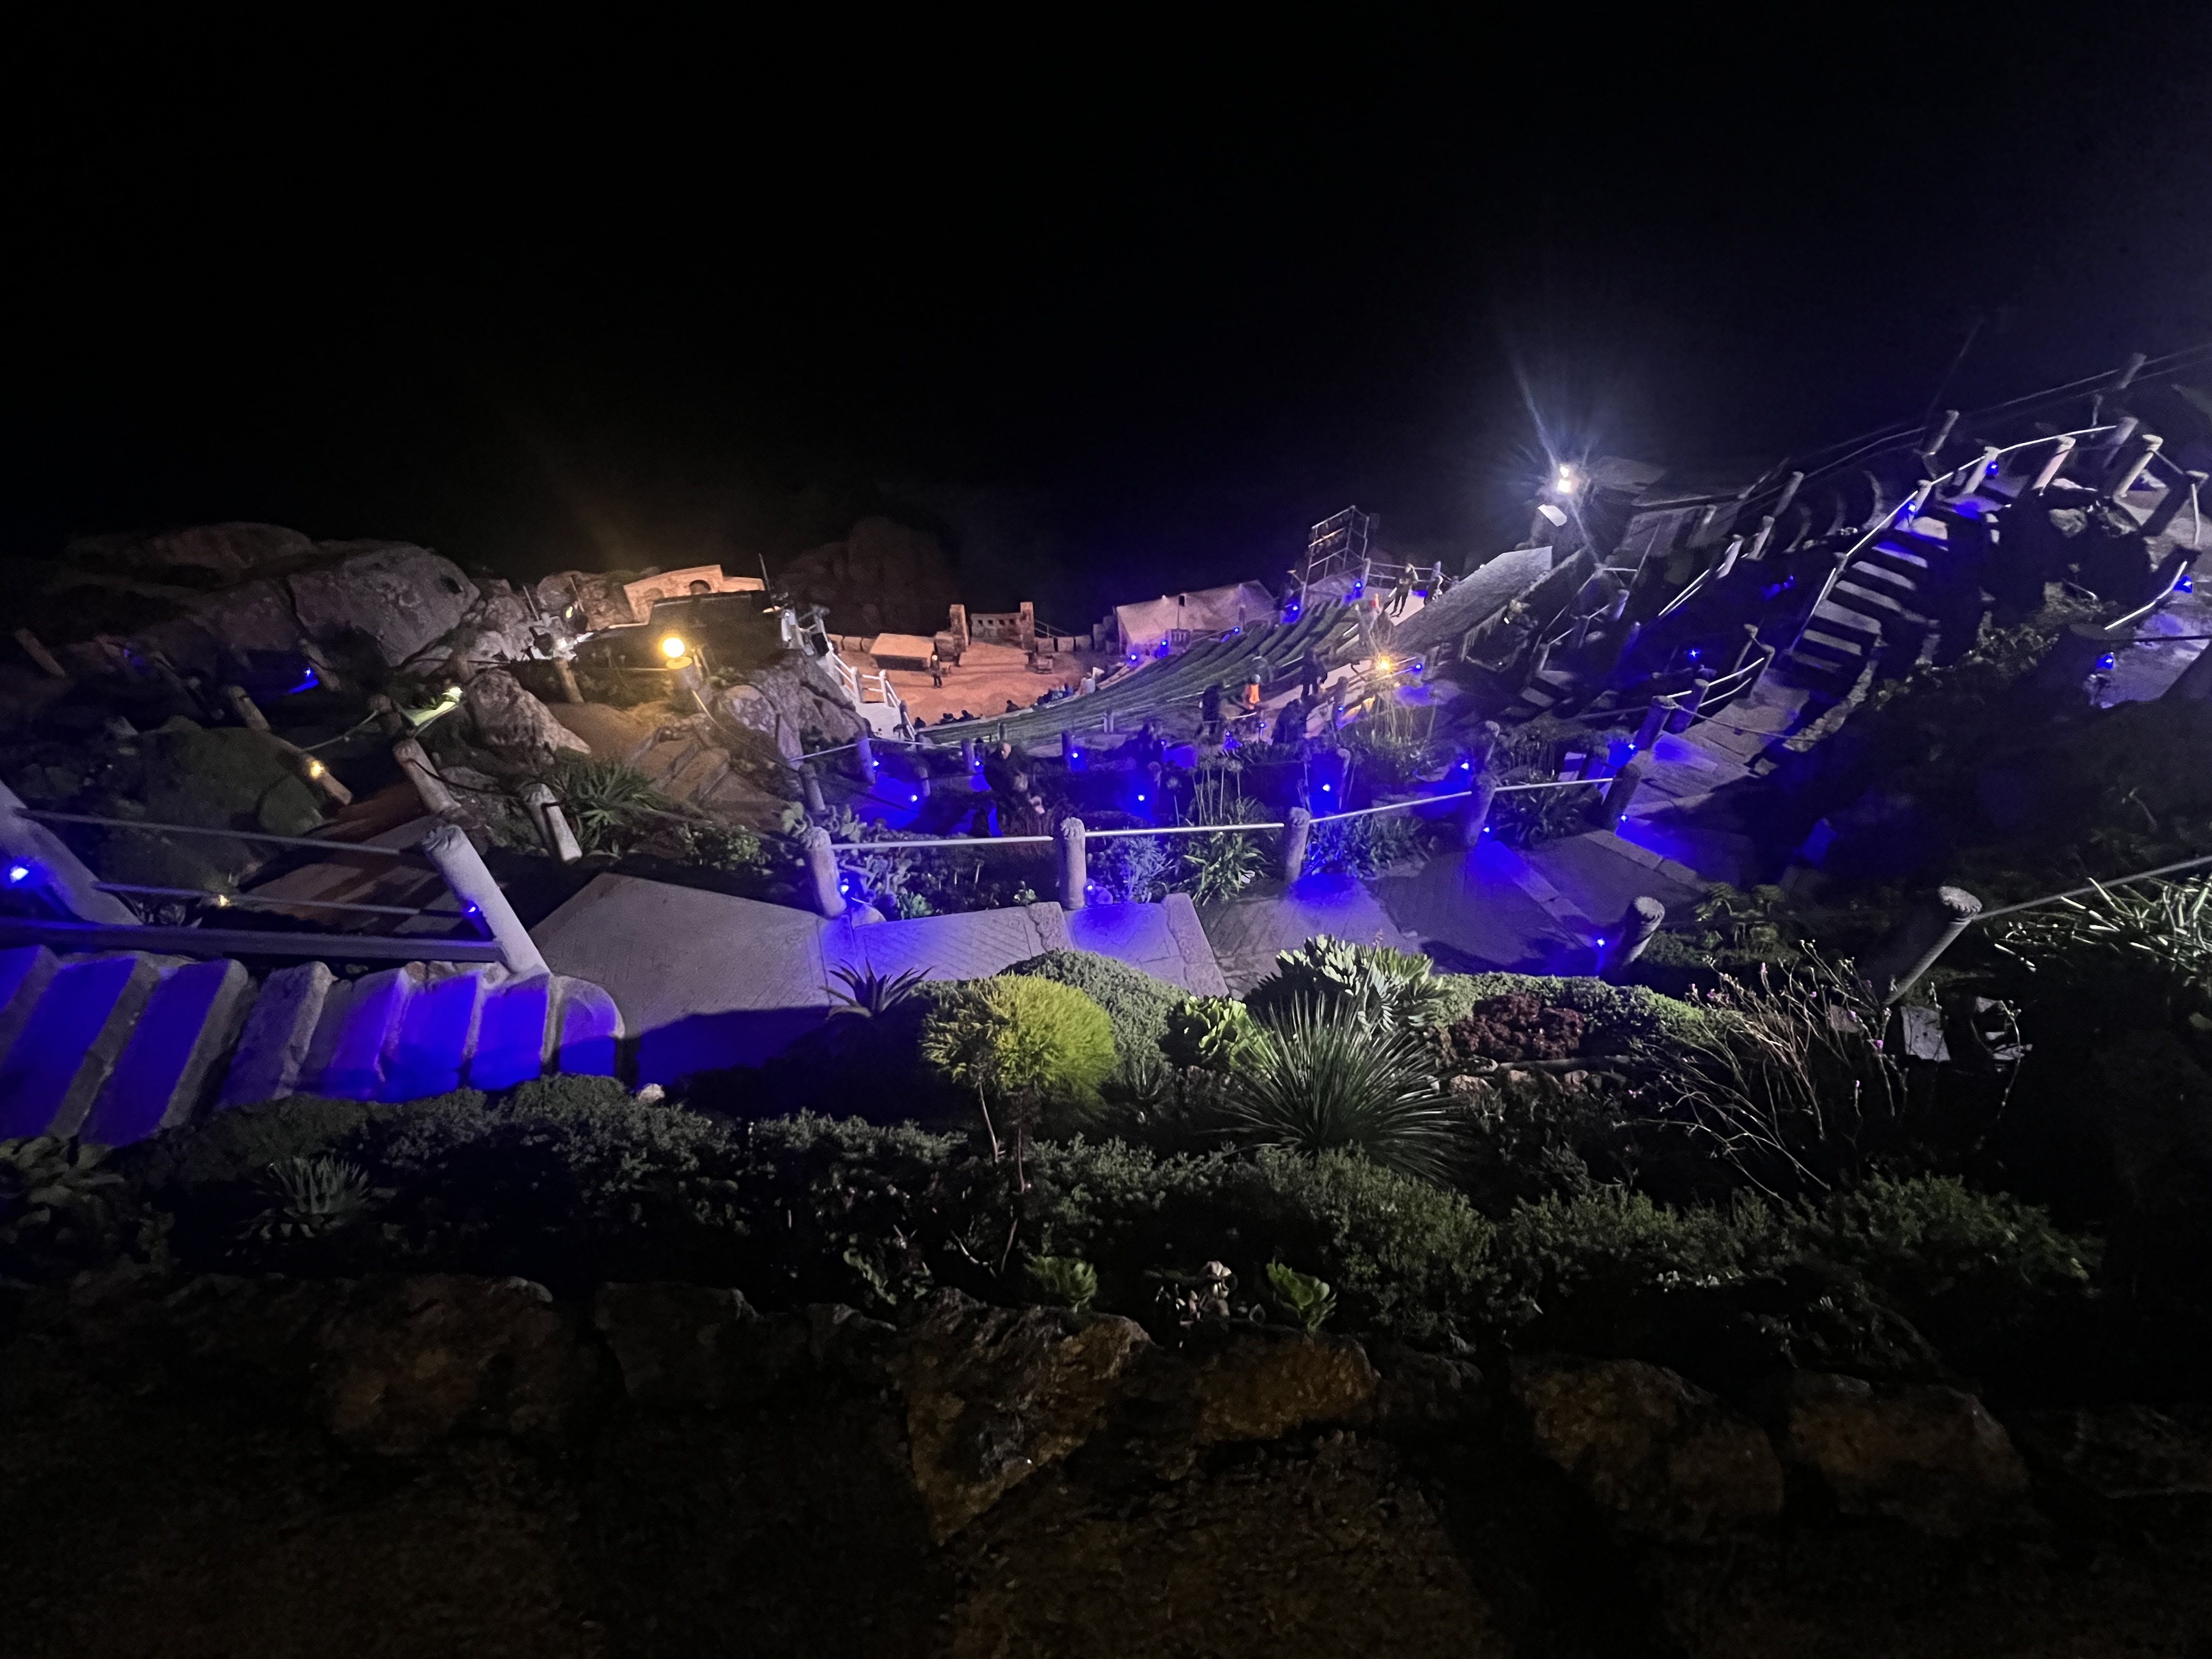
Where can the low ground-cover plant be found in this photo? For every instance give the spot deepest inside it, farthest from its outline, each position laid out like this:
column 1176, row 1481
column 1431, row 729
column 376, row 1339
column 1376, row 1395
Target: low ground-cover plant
column 1346, row 980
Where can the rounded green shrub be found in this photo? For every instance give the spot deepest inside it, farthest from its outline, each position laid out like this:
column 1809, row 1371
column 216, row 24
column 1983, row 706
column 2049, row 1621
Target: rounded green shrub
column 1136, row 1003
column 1022, row 1040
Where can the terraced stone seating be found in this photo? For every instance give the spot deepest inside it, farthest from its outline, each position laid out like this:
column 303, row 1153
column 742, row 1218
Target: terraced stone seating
column 1172, row 683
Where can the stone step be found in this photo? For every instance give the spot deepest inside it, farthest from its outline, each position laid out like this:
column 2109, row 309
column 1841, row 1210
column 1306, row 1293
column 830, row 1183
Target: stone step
column 666, row 758
column 25, row 972
column 365, row 1026
column 1894, row 581
column 1833, row 645
column 511, row 1032
column 1897, row 553
column 588, row 1029
column 272, row 1049
column 438, row 1029
column 175, row 1051
column 1836, row 618
column 1853, row 596
column 62, row 1057
column 705, row 768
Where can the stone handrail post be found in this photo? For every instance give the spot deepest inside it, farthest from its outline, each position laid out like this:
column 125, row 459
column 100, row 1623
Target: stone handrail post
column 552, row 826
column 462, row 867
column 1926, row 934
column 1074, row 864
column 821, row 871
column 1634, row 931
column 1622, row 791
column 50, row 867
column 1297, row 830
column 1482, row 790
column 428, row 786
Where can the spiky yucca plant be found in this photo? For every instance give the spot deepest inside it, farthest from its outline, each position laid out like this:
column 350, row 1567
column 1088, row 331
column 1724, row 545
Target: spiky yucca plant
column 1319, row 1080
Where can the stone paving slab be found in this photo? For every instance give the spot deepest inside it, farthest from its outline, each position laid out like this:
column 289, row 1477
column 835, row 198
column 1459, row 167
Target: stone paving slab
column 1247, row 933
column 706, row 981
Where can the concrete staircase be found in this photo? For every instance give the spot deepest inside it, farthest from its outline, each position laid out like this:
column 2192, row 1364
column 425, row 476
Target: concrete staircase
column 115, row 1047
column 1877, row 601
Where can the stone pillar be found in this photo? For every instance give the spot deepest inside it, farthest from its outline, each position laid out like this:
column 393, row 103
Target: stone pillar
column 959, row 631
column 821, row 871
column 1472, row 816
column 318, row 775
column 1632, row 934
column 1622, row 791
column 864, row 751
column 809, row 790
column 1068, row 749
column 2128, row 371
column 1926, row 934
column 970, row 761
column 1075, row 865
column 1978, row 472
column 35, row 649
column 1297, row 828
column 1026, row 622
column 389, row 719
column 1765, row 534
column 462, row 867
column 248, row 712
column 50, row 867
column 1938, row 434
column 552, row 827
column 2128, row 465
column 2052, row 464
column 2162, row 516
column 566, row 671
column 1680, row 720
column 428, row 786
column 1790, row 488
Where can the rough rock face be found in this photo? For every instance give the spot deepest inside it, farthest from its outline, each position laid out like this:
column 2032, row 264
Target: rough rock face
column 1665, row 1456
column 994, row 1395
column 790, row 699
column 508, row 718
column 883, row 575
column 411, row 1360
column 229, row 551
column 1264, row 1383
column 2123, row 1452
column 397, row 597
column 1931, row 1457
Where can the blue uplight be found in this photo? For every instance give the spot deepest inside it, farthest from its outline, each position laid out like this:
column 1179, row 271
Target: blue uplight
column 2105, row 661
column 307, row 684
column 1141, row 795
column 1694, row 655
column 18, row 872
column 2186, row 585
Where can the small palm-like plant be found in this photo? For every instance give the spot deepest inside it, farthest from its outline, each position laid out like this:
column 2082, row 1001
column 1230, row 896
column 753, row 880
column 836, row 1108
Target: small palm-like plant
column 609, row 806
column 1221, row 866
column 871, row 994
column 1066, row 1279
column 314, row 1196
column 1317, row 1081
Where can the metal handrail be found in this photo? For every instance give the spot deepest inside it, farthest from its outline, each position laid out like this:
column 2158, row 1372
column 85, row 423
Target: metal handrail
column 224, row 901
column 225, row 835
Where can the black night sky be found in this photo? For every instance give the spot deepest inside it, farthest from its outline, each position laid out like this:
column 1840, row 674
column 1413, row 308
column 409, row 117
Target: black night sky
column 1113, row 314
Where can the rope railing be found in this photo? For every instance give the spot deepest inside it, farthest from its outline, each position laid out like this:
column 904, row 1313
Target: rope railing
column 1405, row 806
column 2094, row 887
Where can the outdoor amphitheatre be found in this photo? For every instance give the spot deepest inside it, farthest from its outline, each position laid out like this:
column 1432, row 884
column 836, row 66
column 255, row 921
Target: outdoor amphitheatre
column 1678, row 1049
